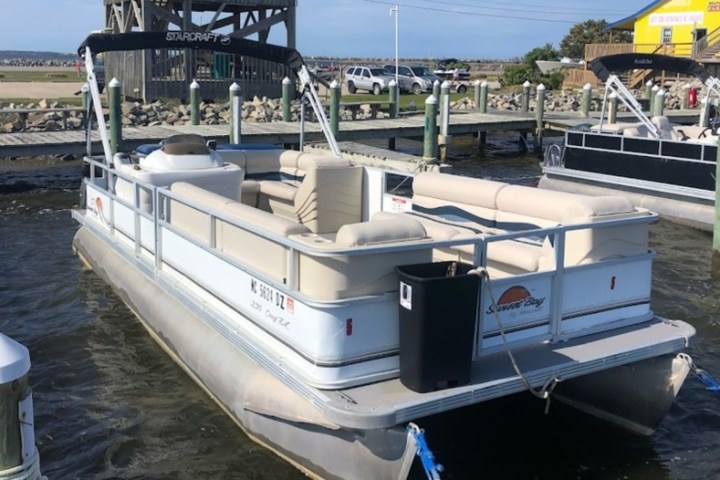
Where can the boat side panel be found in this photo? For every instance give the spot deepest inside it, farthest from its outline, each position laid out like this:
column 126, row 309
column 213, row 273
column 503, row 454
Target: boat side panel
column 610, row 161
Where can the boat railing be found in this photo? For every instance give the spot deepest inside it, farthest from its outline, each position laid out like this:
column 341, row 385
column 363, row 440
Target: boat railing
column 619, row 143
column 148, row 227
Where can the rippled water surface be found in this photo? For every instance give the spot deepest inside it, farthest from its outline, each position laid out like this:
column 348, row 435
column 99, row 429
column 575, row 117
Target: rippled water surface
column 110, row 404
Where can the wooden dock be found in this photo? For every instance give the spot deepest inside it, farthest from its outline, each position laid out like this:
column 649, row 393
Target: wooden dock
column 31, row 144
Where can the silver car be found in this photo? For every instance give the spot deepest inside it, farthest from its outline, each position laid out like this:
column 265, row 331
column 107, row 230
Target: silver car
column 372, row 79
column 413, row 78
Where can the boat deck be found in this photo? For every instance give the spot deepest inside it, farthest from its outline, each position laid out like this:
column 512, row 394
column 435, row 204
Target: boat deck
column 390, row 403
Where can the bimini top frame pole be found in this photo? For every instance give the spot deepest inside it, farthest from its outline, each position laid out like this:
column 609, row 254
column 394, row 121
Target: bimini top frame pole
column 106, row 42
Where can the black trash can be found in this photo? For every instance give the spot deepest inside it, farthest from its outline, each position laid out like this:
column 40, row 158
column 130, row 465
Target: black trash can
column 438, row 307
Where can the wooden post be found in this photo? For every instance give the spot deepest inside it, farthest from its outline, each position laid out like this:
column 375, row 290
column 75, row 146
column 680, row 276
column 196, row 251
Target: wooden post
column 335, row 108
column 483, row 96
column 612, row 107
column 430, row 144
column 715, row 267
column 586, row 99
column 526, row 97
column 659, row 103
column 686, row 96
column 539, row 117
column 236, row 111
column 444, row 138
column 14, row 387
column 476, row 85
column 287, row 89
column 195, row 103
column 114, row 99
column 394, row 109
column 436, row 89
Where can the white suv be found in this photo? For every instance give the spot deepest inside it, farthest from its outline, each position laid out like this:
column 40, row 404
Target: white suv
column 372, row 79
column 413, row 78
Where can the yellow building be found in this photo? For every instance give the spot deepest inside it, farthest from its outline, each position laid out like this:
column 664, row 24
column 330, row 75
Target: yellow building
column 675, row 27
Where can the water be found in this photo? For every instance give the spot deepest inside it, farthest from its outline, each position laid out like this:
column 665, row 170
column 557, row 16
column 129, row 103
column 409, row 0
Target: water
column 110, row 404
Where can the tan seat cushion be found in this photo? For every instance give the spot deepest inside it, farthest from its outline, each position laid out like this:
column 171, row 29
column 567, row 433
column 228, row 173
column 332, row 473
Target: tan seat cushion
column 380, row 231
column 279, row 190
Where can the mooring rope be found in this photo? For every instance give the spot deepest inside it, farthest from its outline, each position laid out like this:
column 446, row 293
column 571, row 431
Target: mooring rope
column 710, row 383
column 546, row 390
column 432, row 469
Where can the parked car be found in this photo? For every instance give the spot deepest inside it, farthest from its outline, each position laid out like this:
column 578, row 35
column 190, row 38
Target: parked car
column 372, row 79
column 413, row 78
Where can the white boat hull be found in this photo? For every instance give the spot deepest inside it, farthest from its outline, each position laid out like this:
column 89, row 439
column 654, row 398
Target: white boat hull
column 270, row 412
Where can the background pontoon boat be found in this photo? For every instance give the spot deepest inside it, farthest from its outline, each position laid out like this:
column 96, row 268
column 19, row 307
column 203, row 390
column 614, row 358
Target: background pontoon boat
column 321, row 310
column 667, row 168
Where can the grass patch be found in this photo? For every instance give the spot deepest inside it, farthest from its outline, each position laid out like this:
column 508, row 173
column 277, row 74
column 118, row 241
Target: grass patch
column 40, row 76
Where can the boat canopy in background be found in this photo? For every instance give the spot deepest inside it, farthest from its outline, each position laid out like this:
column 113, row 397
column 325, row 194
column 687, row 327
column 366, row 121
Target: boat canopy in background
column 107, row 42
column 602, row 67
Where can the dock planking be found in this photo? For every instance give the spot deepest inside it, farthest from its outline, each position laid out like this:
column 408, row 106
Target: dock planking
column 461, row 123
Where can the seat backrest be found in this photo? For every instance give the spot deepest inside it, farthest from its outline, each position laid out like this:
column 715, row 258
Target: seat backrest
column 330, row 194
column 458, row 200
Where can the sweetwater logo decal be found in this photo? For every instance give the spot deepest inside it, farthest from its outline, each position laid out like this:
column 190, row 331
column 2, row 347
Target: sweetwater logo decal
column 197, row 37
column 517, row 299
column 96, row 206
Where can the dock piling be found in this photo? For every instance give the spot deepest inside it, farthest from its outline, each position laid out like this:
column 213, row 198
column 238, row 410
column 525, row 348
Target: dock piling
column 526, row 97
column 648, row 91
column 195, row 103
column 612, row 107
column 394, row 109
column 539, row 117
column 430, row 144
column 659, row 103
column 444, row 138
column 586, row 99
column 236, row 110
column 115, row 107
column 335, row 108
column 286, row 99
column 85, row 92
column 476, row 86
column 483, row 96
column 653, row 94
column 14, row 399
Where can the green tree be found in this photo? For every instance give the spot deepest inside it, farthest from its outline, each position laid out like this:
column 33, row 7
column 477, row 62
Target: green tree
column 591, row 31
column 528, row 70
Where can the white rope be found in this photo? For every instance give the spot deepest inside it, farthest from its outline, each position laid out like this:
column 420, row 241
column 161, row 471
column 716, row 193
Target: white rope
column 547, row 389
column 30, row 470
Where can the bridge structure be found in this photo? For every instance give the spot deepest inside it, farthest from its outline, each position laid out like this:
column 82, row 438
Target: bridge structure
column 151, row 74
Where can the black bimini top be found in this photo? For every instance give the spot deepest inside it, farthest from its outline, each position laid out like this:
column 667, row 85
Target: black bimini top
column 106, row 42
column 602, row 67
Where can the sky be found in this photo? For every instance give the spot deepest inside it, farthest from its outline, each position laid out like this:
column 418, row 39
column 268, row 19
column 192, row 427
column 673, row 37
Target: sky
column 472, row 29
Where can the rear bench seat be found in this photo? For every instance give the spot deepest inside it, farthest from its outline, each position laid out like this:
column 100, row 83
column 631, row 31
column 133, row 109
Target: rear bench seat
column 484, row 207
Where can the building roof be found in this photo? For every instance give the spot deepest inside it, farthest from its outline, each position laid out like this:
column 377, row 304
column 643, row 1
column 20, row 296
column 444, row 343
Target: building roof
column 628, row 23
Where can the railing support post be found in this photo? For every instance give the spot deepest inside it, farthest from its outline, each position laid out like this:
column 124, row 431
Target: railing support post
column 715, row 268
